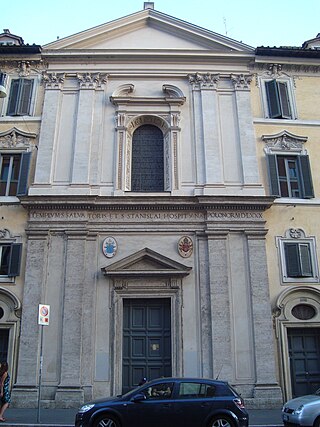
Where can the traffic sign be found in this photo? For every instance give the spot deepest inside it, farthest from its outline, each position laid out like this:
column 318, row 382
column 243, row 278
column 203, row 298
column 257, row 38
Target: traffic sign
column 44, row 312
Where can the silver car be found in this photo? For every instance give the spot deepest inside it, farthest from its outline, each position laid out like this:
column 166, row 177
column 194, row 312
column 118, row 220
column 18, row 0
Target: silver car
column 302, row 411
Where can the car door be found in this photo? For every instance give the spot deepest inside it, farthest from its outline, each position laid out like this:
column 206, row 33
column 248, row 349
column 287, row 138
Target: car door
column 193, row 403
column 157, row 408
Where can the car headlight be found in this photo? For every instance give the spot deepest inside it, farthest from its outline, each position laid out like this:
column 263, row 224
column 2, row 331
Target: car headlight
column 86, row 408
column 298, row 410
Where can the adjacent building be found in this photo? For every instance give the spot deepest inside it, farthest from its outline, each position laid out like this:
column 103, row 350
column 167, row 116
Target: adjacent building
column 287, row 127
column 149, row 225
column 20, row 107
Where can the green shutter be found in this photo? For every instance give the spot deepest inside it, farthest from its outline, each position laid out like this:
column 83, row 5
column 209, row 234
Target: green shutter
column 292, row 259
column 25, row 97
column 273, row 99
column 23, row 174
column 13, row 98
column 273, row 175
column 305, row 259
column 14, row 260
column 306, row 178
column 284, row 100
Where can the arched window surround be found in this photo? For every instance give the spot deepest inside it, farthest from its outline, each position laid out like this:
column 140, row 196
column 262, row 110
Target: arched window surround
column 162, row 112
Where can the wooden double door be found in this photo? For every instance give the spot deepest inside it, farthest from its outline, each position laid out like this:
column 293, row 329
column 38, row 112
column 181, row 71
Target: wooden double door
column 304, row 355
column 146, row 340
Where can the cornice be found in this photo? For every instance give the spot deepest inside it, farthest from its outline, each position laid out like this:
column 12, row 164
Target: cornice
column 269, row 66
column 153, row 203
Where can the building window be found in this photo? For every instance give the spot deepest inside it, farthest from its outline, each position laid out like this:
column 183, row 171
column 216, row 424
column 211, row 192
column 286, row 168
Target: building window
column 20, row 97
column 147, row 173
column 290, row 176
column 10, row 256
column 278, row 99
column 14, row 170
column 298, row 257
column 277, row 95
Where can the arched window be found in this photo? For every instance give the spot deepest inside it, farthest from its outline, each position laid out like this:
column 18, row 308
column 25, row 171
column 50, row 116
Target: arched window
column 147, row 172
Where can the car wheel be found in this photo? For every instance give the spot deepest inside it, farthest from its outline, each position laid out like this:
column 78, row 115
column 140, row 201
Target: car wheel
column 106, row 421
column 316, row 422
column 221, row 421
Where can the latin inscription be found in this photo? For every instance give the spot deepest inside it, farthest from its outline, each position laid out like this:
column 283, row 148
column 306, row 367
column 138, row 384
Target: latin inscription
column 147, row 216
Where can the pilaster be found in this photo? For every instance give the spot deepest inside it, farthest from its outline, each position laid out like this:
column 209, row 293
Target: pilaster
column 266, row 388
column 245, row 128
column 220, row 304
column 25, row 391
column 207, row 113
column 53, row 84
column 89, row 83
column 206, row 356
column 69, row 392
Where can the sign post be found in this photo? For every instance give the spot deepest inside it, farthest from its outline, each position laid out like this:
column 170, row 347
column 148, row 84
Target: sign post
column 43, row 320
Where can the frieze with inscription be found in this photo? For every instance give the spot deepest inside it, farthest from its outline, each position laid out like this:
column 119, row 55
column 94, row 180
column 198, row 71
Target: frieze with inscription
column 137, row 216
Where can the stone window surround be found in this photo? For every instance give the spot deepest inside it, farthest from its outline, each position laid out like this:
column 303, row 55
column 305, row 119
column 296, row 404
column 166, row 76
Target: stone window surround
column 275, row 73
column 36, row 83
column 163, row 112
column 297, row 235
column 7, row 238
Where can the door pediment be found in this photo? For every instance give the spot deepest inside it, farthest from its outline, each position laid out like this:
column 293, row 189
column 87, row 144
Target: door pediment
column 146, row 262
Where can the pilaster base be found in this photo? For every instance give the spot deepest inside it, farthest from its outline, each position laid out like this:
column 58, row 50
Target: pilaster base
column 69, row 397
column 24, row 397
column 265, row 397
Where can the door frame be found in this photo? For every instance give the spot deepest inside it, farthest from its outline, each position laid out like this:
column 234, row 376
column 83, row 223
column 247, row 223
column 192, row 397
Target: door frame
column 117, row 297
column 145, row 274
column 284, row 320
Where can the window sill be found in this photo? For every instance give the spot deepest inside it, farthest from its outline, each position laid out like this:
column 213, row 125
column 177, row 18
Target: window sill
column 24, row 119
column 263, row 120
column 6, row 279
column 300, row 281
column 293, row 201
column 9, row 200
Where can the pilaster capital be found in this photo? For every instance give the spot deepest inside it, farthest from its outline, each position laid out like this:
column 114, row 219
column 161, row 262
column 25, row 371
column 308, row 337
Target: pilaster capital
column 53, row 80
column 241, row 81
column 204, row 81
column 92, row 80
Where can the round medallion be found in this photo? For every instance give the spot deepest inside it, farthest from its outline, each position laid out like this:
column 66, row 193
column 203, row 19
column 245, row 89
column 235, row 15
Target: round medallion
column 109, row 247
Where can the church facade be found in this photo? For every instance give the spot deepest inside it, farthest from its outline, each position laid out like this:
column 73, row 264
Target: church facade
column 146, row 217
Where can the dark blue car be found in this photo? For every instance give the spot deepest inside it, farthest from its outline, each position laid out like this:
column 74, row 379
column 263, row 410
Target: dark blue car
column 168, row 402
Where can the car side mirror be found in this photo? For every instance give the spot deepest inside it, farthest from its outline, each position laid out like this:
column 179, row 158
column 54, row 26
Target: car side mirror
column 138, row 398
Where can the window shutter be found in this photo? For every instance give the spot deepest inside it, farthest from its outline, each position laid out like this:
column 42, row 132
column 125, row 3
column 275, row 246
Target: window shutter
column 13, row 98
column 306, row 267
column 306, row 178
column 14, row 262
column 273, row 99
column 273, row 175
column 25, row 97
column 292, row 259
column 23, row 174
column 284, row 100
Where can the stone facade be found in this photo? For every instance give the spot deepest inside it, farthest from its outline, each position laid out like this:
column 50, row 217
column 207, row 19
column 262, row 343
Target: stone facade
column 212, row 242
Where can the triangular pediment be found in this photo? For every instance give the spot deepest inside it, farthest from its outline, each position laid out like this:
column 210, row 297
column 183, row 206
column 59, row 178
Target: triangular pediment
column 146, row 262
column 146, row 30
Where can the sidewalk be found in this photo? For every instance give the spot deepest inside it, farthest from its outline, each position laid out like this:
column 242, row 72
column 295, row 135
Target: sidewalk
column 65, row 417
